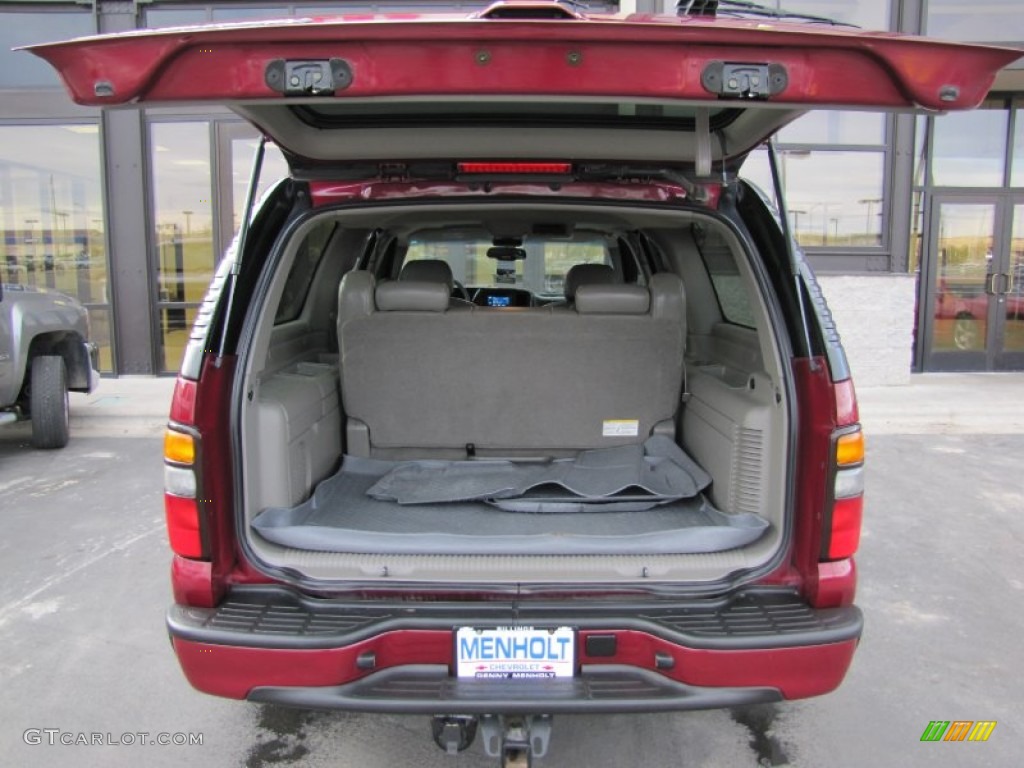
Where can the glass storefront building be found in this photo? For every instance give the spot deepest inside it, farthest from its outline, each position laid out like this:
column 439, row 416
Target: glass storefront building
column 128, row 210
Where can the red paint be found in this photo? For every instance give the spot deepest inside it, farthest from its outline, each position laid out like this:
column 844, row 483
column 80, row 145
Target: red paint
column 836, row 583
column 183, row 525
column 233, row 671
column 649, row 57
column 209, row 405
column 183, row 402
column 846, row 521
column 192, row 582
column 847, row 413
column 816, row 408
column 796, row 672
column 823, row 407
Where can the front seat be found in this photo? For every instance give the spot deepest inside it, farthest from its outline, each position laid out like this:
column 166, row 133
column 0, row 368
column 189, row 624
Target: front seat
column 585, row 274
column 433, row 271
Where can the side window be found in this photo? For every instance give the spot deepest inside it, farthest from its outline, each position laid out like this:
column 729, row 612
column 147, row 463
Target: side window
column 730, row 287
column 304, row 267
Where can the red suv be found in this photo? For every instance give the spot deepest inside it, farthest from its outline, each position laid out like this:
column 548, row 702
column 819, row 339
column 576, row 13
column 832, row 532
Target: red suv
column 514, row 399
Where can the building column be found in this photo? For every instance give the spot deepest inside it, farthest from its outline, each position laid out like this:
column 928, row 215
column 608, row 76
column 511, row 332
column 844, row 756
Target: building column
column 127, row 217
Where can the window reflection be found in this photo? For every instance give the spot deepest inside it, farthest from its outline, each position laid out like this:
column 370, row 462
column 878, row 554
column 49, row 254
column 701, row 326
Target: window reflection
column 993, row 20
column 174, row 17
column 19, row 69
column 965, row 260
column 834, row 198
column 870, row 14
column 1014, row 332
column 183, row 217
column 969, row 148
column 51, row 213
column 243, row 14
column 101, row 335
column 916, row 233
column 175, row 323
column 274, row 169
column 836, row 127
column 1017, row 169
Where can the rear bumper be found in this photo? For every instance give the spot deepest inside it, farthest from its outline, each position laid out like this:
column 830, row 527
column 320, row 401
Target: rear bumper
column 430, row 690
column 270, row 645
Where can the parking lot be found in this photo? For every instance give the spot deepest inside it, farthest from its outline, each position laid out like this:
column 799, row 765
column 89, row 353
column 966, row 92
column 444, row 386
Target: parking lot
column 84, row 563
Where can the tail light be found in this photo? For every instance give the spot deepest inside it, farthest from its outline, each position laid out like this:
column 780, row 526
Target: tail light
column 841, row 534
column 181, row 481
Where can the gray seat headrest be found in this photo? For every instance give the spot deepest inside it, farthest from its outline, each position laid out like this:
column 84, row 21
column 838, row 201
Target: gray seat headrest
column 428, row 271
column 668, row 297
column 587, row 274
column 613, row 300
column 412, row 296
column 355, row 296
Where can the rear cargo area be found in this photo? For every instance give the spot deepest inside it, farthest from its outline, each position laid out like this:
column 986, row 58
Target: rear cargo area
column 628, row 432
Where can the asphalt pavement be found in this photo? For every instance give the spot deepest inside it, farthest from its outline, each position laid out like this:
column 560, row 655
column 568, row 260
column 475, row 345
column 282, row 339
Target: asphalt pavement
column 84, row 587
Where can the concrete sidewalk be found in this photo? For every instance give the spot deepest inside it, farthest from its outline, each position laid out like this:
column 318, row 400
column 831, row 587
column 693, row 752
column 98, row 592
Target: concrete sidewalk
column 946, row 403
column 130, row 406
column 933, row 403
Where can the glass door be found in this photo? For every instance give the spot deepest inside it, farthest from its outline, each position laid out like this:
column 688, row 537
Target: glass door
column 237, row 144
column 1009, row 290
column 201, row 173
column 184, row 236
column 973, row 314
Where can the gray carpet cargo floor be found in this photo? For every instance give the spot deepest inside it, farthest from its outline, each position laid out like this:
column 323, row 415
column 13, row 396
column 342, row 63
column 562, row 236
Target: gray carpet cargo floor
column 607, row 511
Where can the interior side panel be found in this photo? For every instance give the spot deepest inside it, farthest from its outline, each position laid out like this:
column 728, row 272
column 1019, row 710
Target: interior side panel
column 298, row 432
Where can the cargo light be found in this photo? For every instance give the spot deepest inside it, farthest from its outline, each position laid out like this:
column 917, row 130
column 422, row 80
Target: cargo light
column 547, row 169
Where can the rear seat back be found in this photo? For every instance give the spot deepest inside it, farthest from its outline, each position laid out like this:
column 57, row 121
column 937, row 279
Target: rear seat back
column 417, row 376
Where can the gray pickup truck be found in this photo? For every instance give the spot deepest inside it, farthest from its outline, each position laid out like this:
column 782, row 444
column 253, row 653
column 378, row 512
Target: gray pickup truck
column 44, row 353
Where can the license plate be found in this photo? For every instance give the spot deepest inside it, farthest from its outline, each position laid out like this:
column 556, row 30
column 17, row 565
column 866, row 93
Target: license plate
column 515, row 653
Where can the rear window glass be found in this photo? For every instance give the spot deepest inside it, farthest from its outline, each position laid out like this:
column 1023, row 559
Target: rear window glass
column 541, row 269
column 303, row 269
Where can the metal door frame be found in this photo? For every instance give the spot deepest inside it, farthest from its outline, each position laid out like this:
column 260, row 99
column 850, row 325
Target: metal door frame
column 1005, row 360
column 981, row 360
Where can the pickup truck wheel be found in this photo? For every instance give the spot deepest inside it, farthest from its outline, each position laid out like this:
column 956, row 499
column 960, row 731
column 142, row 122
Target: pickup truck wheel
column 48, row 397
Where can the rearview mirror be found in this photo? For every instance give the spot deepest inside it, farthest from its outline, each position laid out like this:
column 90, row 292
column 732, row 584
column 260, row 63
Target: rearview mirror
column 506, row 253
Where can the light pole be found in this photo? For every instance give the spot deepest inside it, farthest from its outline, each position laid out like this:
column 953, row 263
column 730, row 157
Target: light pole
column 62, row 229
column 30, row 261
column 796, row 213
column 869, row 202
column 188, row 222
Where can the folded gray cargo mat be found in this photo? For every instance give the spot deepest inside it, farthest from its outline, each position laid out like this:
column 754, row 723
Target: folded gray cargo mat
column 342, row 517
column 628, row 478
